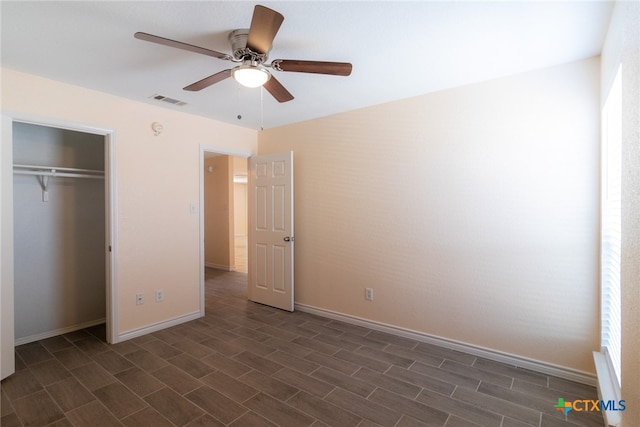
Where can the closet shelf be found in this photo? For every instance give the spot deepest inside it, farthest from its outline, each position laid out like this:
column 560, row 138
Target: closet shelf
column 54, row 171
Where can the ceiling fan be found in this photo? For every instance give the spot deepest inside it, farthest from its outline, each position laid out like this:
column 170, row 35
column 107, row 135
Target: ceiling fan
column 251, row 49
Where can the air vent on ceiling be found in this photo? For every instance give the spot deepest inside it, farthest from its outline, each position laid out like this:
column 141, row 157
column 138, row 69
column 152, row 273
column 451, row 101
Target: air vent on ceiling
column 169, row 100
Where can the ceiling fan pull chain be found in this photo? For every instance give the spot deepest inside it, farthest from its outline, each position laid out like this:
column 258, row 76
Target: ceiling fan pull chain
column 239, row 116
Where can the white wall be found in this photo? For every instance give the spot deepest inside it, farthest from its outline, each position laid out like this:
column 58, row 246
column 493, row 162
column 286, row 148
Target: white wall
column 623, row 46
column 472, row 212
column 157, row 180
column 59, row 245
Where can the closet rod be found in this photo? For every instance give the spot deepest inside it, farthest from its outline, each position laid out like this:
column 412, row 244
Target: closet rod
column 49, row 168
column 57, row 171
column 58, row 174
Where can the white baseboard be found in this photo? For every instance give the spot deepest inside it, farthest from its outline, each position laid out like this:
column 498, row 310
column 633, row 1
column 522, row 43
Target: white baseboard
column 60, row 331
column 219, row 266
column 127, row 335
column 497, row 356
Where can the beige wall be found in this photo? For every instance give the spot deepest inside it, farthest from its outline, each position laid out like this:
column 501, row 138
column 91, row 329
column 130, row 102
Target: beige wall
column 623, row 46
column 225, row 213
column 218, row 211
column 157, row 180
column 471, row 212
column 240, row 197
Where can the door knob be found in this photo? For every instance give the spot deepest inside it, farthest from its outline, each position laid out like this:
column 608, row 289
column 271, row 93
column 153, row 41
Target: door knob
column 288, row 239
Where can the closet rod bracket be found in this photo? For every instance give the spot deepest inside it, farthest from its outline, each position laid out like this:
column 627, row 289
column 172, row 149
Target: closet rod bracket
column 44, row 184
column 45, row 173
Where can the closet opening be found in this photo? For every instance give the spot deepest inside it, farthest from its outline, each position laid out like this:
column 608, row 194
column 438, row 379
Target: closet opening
column 62, row 238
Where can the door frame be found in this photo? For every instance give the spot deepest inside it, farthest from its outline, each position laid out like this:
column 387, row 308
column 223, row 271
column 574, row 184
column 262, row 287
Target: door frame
column 6, row 252
column 225, row 152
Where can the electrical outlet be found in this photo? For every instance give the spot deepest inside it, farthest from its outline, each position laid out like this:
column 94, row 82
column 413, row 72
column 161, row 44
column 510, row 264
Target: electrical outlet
column 159, row 295
column 139, row 299
column 368, row 294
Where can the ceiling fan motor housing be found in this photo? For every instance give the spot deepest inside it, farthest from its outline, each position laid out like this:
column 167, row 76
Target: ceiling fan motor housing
column 241, row 53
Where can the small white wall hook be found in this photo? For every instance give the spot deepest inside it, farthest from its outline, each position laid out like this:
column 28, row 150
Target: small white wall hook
column 157, row 128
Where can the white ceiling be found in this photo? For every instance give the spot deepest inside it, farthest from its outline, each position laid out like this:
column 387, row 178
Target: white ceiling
column 398, row 49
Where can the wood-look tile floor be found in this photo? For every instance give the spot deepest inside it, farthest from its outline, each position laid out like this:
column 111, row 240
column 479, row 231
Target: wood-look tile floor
column 245, row 364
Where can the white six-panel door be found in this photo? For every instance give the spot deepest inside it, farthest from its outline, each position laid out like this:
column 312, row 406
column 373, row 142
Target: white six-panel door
column 271, row 236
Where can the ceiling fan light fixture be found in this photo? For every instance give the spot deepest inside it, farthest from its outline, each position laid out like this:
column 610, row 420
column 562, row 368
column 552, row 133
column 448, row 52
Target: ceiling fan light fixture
column 251, row 75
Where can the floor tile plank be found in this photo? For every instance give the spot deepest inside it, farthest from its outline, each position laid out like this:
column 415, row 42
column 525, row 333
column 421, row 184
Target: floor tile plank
column 37, row 409
column 173, row 406
column 278, row 412
column 216, row 404
column 323, row 410
column 69, row 394
column 119, row 400
column 364, row 408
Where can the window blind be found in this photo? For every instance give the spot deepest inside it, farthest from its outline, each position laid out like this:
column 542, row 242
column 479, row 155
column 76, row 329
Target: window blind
column 612, row 225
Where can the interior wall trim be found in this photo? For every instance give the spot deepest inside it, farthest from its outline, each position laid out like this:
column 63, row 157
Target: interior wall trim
column 155, row 327
column 61, row 331
column 494, row 355
column 219, row 266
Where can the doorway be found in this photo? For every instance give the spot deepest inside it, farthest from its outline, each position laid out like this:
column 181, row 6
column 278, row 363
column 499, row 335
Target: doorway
column 268, row 220
column 225, row 212
column 212, row 152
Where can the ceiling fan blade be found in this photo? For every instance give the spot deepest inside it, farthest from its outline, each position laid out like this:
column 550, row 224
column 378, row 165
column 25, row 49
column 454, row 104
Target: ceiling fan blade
column 208, row 81
column 316, row 67
column 265, row 24
column 275, row 88
column 180, row 45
